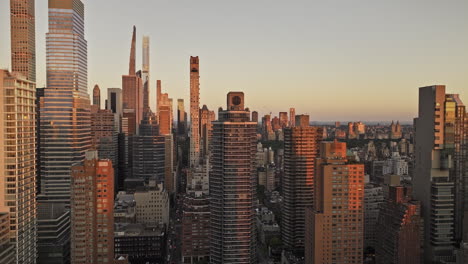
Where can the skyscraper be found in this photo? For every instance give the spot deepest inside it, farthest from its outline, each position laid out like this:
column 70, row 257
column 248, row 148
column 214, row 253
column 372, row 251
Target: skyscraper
column 145, row 74
column 292, row 117
column 92, row 207
column 283, row 119
column 399, row 229
column 65, row 134
column 233, row 184
column 97, row 96
column 132, row 94
column 438, row 172
column 181, row 117
column 23, row 38
column 255, row 116
column 335, row 223
column 18, row 163
column 206, row 127
column 301, row 148
column 194, row 111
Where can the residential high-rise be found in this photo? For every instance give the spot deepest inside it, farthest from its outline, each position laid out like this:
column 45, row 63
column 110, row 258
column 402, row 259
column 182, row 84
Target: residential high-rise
column 438, row 173
column 65, row 134
column 18, row 162
column 399, row 229
column 292, row 117
column 165, row 115
column 23, row 38
column 373, row 199
column 92, row 211
column 206, row 127
column 283, row 119
column 301, row 148
column 255, row 116
column 152, row 205
column 145, row 74
column 233, row 184
column 97, row 96
column 335, row 223
column 194, row 111
column 132, row 94
column 181, row 117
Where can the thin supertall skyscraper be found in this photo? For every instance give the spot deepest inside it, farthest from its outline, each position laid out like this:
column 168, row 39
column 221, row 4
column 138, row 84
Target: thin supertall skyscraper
column 194, row 112
column 65, row 134
column 233, row 185
column 145, row 76
column 23, row 38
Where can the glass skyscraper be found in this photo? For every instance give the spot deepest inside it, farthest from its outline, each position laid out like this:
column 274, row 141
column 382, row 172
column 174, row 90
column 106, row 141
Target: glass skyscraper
column 65, row 107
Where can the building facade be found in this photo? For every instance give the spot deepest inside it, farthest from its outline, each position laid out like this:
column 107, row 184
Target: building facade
column 92, row 210
column 23, row 38
column 65, row 125
column 233, row 185
column 335, row 224
column 18, row 162
column 194, row 112
column 301, row 148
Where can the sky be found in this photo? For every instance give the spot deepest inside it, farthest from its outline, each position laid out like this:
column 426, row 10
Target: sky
column 334, row 60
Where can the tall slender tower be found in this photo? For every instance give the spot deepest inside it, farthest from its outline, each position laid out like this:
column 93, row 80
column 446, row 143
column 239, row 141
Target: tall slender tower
column 18, row 164
column 145, row 74
column 233, row 185
column 97, row 96
column 181, row 117
column 65, row 134
column 301, row 148
column 92, row 210
column 194, row 111
column 132, row 94
column 439, row 169
column 292, row 117
column 335, row 224
column 23, row 38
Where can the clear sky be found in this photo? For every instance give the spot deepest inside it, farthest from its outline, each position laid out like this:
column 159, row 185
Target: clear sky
column 334, row 60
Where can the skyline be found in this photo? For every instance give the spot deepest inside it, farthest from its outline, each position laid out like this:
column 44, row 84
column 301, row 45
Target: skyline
column 315, row 56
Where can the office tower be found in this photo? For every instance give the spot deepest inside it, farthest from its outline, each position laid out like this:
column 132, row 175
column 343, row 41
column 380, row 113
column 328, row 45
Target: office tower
column 147, row 159
column 301, row 146
column 169, row 175
column 283, row 119
column 145, row 74
column 292, row 117
column 267, row 128
column 233, row 184
column 140, row 243
column 194, row 111
column 114, row 101
column 92, row 210
column 399, row 228
column 65, row 134
column 438, row 170
column 132, row 94
column 7, row 252
column 255, row 116
column 23, row 38
column 104, row 134
column 206, row 127
column 158, row 94
column 164, row 115
column 373, row 199
column 97, row 96
column 18, row 162
column 335, row 223
column 152, row 205
column 275, row 123
column 53, row 233
column 181, row 117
